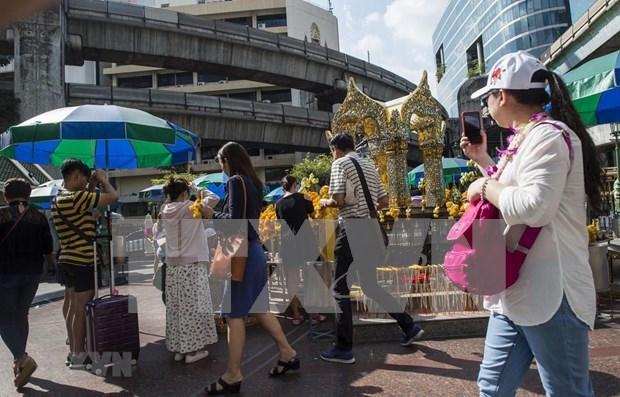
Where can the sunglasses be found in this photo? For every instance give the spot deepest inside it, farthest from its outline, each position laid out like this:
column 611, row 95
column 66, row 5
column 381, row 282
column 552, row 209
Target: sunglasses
column 484, row 101
column 220, row 159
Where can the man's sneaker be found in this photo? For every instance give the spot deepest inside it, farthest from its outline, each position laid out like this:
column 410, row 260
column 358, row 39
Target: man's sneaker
column 81, row 361
column 335, row 355
column 23, row 373
column 414, row 334
column 68, row 359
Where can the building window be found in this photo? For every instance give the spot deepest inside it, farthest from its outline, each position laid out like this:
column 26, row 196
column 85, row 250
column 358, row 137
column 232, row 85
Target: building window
column 475, row 59
column 246, row 96
column 276, row 96
column 135, row 82
column 165, row 5
column 270, row 21
column 174, row 79
column 243, row 21
column 211, row 78
column 200, row 1
column 440, row 64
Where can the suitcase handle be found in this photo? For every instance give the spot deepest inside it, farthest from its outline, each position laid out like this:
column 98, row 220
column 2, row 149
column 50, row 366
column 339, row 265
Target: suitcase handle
column 96, row 272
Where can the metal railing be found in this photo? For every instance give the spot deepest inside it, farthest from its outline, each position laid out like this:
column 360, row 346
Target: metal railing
column 200, row 104
column 577, row 29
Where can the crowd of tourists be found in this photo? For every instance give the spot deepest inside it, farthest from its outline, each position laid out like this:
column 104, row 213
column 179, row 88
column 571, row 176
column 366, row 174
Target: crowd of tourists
column 542, row 180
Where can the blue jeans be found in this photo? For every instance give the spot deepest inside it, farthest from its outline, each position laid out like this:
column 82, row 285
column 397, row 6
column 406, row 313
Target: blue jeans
column 560, row 347
column 16, row 294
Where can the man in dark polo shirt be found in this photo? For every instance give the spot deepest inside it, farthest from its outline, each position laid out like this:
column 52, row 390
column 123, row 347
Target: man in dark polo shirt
column 76, row 230
column 24, row 240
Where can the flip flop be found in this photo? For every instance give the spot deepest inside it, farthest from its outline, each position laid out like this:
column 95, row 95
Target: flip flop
column 293, row 365
column 297, row 321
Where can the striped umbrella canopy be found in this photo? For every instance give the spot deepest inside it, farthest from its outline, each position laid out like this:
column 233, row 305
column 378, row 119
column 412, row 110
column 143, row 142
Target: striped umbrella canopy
column 103, row 136
column 452, row 168
column 43, row 194
column 215, row 182
column 274, row 195
column 153, row 193
column 595, row 89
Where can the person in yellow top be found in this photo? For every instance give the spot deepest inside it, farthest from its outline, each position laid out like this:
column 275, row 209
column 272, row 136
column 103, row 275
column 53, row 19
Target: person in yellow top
column 76, row 230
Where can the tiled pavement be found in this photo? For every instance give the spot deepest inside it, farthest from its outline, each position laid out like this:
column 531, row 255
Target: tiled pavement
column 431, row 368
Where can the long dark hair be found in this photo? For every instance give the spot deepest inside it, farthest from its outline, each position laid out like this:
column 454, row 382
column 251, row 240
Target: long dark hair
column 562, row 109
column 288, row 182
column 239, row 162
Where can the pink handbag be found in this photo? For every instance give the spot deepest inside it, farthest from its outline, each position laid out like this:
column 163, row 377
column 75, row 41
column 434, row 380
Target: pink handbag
column 478, row 269
column 479, row 262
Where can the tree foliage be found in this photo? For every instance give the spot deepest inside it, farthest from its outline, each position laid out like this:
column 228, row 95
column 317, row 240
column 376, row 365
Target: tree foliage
column 5, row 60
column 320, row 166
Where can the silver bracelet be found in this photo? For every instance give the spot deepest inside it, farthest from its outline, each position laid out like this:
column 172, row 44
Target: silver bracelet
column 483, row 191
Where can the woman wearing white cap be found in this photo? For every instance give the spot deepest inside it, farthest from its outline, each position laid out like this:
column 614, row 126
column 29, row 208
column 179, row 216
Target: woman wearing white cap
column 544, row 178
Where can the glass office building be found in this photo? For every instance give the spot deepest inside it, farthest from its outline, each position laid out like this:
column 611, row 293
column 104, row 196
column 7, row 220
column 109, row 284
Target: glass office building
column 473, row 34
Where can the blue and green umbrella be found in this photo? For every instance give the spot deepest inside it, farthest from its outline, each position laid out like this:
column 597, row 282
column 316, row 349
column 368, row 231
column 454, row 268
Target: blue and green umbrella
column 153, row 193
column 42, row 195
column 215, row 182
column 274, row 195
column 452, row 168
column 103, row 136
column 595, row 89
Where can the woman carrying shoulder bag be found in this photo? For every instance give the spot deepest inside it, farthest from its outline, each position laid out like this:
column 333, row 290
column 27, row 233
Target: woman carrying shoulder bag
column 547, row 174
column 247, row 297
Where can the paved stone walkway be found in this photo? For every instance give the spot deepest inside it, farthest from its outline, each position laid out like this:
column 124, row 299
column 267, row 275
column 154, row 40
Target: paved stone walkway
column 430, row 368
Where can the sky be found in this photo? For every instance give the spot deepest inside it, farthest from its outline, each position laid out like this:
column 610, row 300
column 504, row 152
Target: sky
column 397, row 33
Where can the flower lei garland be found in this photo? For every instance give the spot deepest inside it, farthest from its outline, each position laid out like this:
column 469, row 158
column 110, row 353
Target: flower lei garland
column 514, row 141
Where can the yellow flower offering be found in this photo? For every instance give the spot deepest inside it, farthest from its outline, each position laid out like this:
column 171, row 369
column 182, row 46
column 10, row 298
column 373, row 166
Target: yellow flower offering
column 196, row 209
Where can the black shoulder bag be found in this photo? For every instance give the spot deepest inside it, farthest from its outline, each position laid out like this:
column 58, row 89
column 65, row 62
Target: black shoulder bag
column 369, row 204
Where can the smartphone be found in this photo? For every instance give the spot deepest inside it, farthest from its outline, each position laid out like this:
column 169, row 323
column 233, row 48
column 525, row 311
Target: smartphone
column 472, row 125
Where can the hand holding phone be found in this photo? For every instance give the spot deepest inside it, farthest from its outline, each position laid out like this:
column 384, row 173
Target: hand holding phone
column 471, row 123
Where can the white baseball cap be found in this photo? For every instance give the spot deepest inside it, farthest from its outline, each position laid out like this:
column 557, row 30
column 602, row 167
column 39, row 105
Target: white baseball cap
column 513, row 71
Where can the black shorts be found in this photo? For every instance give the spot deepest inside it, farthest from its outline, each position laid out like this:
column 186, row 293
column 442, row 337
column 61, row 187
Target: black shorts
column 80, row 278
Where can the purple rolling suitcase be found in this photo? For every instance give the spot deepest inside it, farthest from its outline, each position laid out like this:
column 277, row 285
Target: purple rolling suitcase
column 112, row 331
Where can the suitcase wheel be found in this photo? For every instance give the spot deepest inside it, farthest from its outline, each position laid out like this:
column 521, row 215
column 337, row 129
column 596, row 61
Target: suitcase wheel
column 98, row 372
column 134, row 362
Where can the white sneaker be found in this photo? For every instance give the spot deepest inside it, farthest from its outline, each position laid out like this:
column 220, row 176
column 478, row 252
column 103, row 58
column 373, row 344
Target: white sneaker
column 199, row 355
column 179, row 356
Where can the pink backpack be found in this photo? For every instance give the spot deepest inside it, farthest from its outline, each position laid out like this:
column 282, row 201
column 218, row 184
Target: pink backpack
column 479, row 262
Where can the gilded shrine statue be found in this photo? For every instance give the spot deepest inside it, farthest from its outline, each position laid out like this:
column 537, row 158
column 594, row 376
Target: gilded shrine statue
column 387, row 128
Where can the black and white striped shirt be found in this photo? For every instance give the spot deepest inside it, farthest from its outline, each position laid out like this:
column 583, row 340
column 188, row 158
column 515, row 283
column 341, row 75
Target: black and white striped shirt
column 343, row 170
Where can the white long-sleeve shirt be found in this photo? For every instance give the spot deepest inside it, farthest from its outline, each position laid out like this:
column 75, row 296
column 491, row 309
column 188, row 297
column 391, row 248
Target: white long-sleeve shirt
column 546, row 189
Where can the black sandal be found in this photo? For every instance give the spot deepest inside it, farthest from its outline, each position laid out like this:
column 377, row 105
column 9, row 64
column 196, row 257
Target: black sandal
column 293, row 365
column 226, row 388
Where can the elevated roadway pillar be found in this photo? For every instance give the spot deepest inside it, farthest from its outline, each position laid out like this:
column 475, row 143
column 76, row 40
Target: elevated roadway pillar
column 39, row 63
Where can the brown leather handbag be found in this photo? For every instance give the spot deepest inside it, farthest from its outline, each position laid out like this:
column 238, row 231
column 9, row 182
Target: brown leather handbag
column 231, row 252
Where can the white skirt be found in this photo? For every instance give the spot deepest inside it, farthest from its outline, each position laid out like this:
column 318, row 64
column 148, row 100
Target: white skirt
column 190, row 325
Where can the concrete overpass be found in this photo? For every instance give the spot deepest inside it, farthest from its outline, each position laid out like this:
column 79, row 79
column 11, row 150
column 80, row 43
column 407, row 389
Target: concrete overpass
column 595, row 33
column 218, row 120
column 129, row 34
